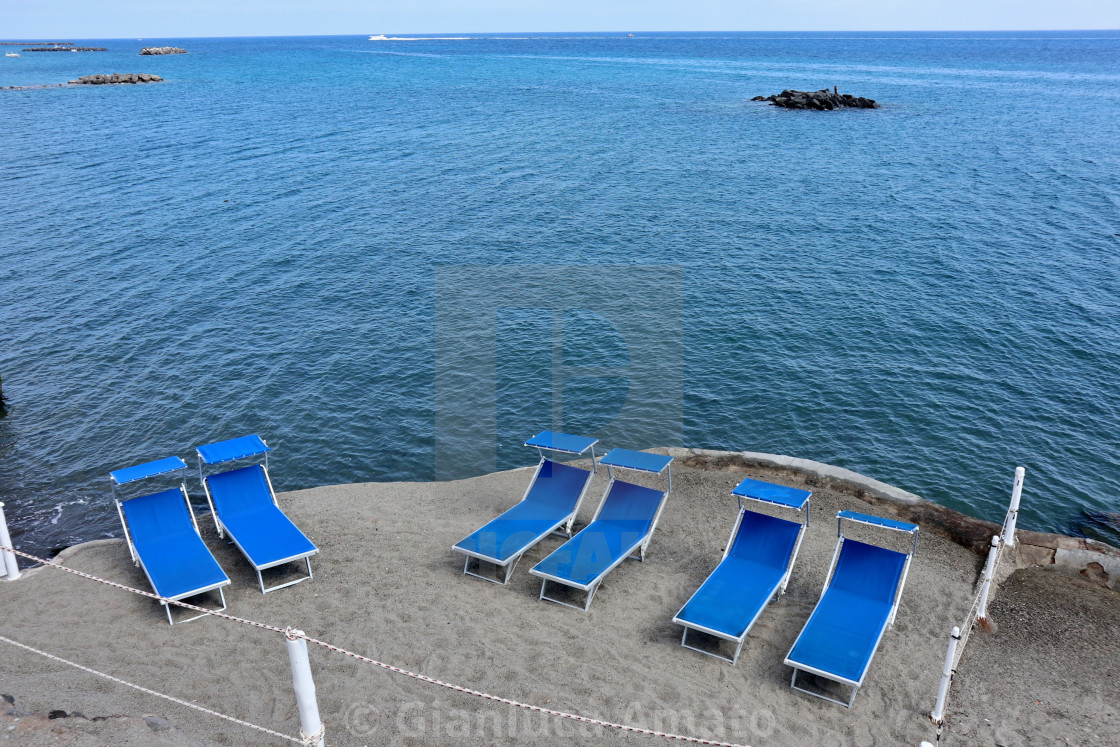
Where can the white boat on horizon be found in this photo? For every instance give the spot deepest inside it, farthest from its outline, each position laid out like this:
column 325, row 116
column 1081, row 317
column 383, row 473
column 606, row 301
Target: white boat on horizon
column 10, row 54
column 379, row 37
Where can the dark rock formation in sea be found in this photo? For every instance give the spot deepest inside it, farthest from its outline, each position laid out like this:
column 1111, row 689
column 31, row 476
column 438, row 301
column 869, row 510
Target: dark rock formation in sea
column 95, row 80
column 822, row 100
column 66, row 49
column 163, row 50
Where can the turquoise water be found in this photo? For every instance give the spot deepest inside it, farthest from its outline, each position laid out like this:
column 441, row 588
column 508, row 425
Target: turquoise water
column 928, row 293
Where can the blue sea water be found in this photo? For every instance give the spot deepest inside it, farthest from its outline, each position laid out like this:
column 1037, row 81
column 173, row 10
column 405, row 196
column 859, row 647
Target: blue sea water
column 928, row 293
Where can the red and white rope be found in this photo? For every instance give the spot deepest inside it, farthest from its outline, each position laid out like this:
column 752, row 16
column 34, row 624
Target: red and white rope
column 143, row 593
column 519, row 704
column 289, row 632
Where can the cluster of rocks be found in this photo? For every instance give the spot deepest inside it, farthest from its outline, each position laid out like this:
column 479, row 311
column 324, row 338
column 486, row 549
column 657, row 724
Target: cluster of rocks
column 163, row 50
column 66, row 49
column 96, row 80
column 822, row 100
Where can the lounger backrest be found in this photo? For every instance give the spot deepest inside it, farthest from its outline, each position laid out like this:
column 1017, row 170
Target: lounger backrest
column 157, row 517
column 631, row 504
column 240, row 490
column 868, row 571
column 766, row 540
column 558, row 486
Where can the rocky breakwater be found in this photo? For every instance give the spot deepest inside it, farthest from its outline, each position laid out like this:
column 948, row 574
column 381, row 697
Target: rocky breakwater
column 822, row 100
column 96, row 80
column 163, row 50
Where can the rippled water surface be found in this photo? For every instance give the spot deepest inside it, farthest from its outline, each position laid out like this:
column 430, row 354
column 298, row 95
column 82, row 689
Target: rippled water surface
column 928, row 293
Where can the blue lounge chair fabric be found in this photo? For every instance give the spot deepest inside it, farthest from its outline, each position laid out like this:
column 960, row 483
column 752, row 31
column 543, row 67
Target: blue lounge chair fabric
column 244, row 505
column 754, row 570
column 859, row 603
column 771, row 493
column 751, row 574
column 900, row 526
column 144, row 471
column 171, row 552
column 562, row 442
column 163, row 537
column 552, row 500
column 636, row 460
column 234, row 448
column 623, row 525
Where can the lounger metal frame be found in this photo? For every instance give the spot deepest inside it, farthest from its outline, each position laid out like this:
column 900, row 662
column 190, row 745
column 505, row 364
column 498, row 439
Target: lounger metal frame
column 781, row 589
column 854, row 684
column 641, row 545
column 140, row 563
column 233, row 540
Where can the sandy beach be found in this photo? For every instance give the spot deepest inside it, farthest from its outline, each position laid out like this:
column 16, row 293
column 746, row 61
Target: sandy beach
column 388, row 586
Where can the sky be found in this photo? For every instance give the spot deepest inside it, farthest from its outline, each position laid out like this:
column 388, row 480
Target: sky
column 89, row 19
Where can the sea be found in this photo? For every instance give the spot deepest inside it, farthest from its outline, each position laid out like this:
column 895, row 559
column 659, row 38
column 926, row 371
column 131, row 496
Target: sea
column 396, row 260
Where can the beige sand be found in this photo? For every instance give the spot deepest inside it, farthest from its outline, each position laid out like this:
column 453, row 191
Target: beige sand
column 387, row 585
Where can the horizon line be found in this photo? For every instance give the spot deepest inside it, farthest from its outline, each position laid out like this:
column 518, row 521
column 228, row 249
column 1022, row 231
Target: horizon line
column 612, row 31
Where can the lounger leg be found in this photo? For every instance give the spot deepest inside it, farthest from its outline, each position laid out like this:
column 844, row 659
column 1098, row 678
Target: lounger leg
column 716, row 655
column 503, row 581
column 586, row 604
column 735, row 658
column 308, row 559
column 590, row 594
column 260, row 579
column 167, row 609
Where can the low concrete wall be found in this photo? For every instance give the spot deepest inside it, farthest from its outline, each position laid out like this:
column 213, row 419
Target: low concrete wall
column 1088, row 558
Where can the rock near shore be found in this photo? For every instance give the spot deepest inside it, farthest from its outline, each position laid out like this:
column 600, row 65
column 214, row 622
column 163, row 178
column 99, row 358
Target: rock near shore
column 163, row 50
column 97, row 80
column 822, row 100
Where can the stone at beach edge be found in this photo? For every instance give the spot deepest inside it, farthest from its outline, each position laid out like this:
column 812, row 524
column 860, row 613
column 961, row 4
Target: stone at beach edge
column 94, row 80
column 163, row 50
column 822, row 100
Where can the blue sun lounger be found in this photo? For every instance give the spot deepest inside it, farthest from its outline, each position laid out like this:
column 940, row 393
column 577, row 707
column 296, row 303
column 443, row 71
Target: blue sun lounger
column 623, row 524
column 552, row 500
column 163, row 537
column 754, row 570
column 244, row 505
column 859, row 602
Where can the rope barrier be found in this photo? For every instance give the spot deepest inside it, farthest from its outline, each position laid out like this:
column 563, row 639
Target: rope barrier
column 173, row 699
column 972, row 619
column 291, row 634
column 143, row 593
column 507, row 701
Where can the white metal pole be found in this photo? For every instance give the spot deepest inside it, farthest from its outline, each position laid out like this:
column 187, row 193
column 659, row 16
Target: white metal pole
column 1013, row 511
column 946, row 677
column 309, row 723
column 11, row 568
column 989, row 571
